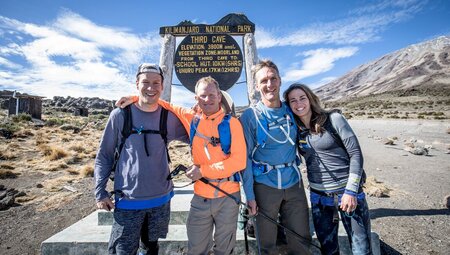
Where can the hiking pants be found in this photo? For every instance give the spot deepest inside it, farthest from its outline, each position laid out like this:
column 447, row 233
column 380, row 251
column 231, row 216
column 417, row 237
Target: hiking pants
column 218, row 214
column 126, row 228
column 292, row 206
column 357, row 226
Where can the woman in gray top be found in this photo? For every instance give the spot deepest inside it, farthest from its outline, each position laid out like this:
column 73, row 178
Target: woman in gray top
column 335, row 171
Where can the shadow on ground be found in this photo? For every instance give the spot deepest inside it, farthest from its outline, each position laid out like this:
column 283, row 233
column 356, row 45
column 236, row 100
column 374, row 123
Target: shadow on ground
column 387, row 212
column 385, row 249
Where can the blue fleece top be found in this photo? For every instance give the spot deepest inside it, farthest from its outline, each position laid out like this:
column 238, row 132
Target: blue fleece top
column 273, row 152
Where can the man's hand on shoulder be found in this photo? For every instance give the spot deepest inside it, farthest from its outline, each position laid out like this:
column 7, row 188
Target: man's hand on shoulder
column 105, row 204
column 125, row 101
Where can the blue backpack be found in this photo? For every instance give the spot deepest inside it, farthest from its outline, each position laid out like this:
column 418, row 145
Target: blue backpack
column 262, row 137
column 224, row 138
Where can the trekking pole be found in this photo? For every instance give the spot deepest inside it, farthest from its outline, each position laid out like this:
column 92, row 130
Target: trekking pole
column 247, row 250
column 238, row 201
column 256, row 234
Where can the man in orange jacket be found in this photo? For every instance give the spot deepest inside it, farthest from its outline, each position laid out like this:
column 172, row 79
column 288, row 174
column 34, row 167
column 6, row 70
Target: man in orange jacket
column 210, row 209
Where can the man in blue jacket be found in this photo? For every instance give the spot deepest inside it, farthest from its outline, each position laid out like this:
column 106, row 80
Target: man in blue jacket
column 272, row 180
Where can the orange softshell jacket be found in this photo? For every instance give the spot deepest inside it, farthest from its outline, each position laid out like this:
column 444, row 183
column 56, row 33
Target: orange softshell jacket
column 219, row 165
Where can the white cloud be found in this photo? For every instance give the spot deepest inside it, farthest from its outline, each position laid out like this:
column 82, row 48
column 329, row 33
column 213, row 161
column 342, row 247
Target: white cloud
column 363, row 25
column 72, row 56
column 5, row 62
column 317, row 61
column 182, row 96
column 322, row 81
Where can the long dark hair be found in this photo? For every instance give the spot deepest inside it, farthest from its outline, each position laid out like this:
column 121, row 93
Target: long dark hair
column 318, row 116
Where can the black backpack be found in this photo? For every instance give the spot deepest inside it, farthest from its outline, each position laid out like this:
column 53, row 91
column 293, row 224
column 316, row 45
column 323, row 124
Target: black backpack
column 128, row 130
column 328, row 126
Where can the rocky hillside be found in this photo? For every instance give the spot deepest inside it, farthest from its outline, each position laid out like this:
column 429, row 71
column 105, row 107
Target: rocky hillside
column 424, row 64
column 67, row 104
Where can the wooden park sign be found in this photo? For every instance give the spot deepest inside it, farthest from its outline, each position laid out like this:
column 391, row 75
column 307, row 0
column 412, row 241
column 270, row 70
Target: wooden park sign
column 208, row 50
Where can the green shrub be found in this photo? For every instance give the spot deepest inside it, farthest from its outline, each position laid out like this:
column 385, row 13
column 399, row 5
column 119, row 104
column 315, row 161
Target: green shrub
column 10, row 127
column 54, row 122
column 22, row 117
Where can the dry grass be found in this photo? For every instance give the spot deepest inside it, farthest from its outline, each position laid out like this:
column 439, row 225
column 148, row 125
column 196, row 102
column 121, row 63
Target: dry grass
column 6, row 174
column 66, row 139
column 56, row 184
column 93, row 154
column 7, row 166
column 45, row 149
column 87, row 171
column 75, row 159
column 57, row 201
column 25, row 199
column 73, row 171
column 24, row 133
column 7, row 155
column 41, row 138
column 56, row 153
column 78, row 147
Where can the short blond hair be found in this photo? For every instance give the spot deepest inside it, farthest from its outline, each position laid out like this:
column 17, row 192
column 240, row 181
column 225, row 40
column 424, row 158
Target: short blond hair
column 207, row 80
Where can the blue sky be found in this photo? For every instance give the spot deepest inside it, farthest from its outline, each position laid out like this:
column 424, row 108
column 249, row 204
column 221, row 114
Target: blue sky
column 92, row 48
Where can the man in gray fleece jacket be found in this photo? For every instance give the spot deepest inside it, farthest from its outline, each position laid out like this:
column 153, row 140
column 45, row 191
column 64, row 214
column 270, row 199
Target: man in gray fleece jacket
column 141, row 190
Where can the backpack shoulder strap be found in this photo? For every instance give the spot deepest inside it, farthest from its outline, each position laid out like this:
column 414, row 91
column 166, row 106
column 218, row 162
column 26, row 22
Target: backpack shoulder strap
column 127, row 122
column 330, row 129
column 163, row 129
column 261, row 122
column 193, row 130
column 225, row 134
column 126, row 132
column 163, row 124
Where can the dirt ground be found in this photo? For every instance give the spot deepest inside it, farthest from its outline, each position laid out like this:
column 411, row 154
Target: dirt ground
column 411, row 220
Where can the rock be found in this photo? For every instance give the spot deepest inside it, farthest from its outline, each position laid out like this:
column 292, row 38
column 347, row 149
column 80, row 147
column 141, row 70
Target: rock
column 21, row 194
column 2, row 187
column 412, row 140
column 448, row 130
column 388, row 141
column 419, row 150
column 377, row 192
column 6, row 133
column 447, row 201
column 409, row 144
column 39, row 186
column 6, row 202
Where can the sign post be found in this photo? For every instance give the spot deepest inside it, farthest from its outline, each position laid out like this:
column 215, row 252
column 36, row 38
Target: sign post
column 209, row 50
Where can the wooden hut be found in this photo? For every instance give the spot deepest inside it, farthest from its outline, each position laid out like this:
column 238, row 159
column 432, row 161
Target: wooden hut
column 24, row 103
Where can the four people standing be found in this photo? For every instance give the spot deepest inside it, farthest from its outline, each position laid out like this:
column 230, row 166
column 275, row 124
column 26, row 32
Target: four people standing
column 273, row 130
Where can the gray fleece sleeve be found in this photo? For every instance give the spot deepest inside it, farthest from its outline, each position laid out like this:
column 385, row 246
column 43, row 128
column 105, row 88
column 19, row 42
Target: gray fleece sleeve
column 105, row 155
column 351, row 144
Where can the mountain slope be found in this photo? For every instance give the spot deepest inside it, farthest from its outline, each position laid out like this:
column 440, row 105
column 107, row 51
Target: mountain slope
column 423, row 64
